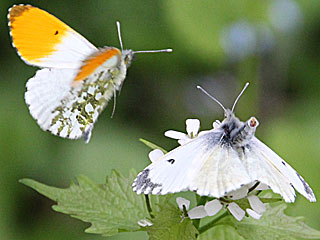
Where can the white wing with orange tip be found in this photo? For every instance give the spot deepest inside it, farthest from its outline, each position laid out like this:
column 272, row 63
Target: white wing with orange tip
column 43, row 40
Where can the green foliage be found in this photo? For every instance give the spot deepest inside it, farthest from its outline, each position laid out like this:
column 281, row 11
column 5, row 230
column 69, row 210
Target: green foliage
column 221, row 232
column 113, row 207
column 110, row 208
column 274, row 224
column 170, row 225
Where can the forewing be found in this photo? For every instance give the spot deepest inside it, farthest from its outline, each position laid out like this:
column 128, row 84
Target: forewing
column 43, row 40
column 266, row 166
column 201, row 165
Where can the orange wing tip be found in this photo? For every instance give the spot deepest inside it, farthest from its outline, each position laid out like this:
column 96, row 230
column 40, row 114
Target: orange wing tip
column 34, row 33
column 16, row 11
column 101, row 58
column 13, row 12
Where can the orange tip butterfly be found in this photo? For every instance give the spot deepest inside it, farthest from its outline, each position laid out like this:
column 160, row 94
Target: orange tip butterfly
column 77, row 79
column 219, row 161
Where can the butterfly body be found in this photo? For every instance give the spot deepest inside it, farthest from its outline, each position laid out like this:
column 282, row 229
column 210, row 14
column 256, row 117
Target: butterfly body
column 220, row 161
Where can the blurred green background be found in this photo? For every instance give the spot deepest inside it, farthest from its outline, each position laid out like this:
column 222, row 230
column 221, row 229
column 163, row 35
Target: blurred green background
column 217, row 44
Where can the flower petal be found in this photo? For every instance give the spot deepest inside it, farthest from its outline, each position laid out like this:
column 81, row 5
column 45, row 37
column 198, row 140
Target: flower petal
column 256, row 204
column 253, row 214
column 236, row 211
column 240, row 193
column 193, row 126
column 155, row 154
column 262, row 187
column 144, row 223
column 175, row 134
column 197, row 212
column 213, row 207
column 216, row 124
column 182, row 201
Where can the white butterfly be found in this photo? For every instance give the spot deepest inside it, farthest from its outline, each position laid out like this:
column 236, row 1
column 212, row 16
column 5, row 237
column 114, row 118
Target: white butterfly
column 77, row 79
column 222, row 160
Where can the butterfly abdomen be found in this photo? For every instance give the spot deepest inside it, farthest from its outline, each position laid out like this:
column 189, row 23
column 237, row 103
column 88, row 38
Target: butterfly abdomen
column 241, row 136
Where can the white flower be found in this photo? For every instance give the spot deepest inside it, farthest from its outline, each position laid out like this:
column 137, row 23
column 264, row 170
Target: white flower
column 213, row 207
column 258, row 208
column 236, row 211
column 183, row 202
column 155, row 154
column 144, row 223
column 216, row 124
column 195, row 213
column 192, row 126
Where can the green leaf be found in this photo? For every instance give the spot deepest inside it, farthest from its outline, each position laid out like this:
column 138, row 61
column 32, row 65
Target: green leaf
column 168, row 224
column 152, row 145
column 274, row 224
column 221, row 232
column 110, row 208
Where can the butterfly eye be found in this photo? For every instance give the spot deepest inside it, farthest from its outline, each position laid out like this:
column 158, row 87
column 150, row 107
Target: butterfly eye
column 253, row 122
column 128, row 59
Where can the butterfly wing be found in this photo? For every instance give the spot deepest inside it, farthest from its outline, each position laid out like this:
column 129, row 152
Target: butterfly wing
column 43, row 40
column 266, row 166
column 202, row 165
column 67, row 96
column 68, row 105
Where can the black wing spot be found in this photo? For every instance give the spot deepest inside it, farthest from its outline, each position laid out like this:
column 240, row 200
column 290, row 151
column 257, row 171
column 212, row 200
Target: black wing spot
column 305, row 185
column 171, row 161
column 283, row 163
column 56, row 33
column 142, row 182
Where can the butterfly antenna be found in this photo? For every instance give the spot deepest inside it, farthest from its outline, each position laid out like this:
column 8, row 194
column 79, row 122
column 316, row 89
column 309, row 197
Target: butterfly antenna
column 154, row 51
column 119, row 35
column 146, row 51
column 237, row 99
column 213, row 98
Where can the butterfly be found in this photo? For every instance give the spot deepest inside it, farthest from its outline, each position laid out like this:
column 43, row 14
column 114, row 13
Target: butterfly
column 76, row 79
column 220, row 161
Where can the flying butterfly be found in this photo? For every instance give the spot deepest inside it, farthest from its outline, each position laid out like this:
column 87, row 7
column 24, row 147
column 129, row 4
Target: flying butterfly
column 77, row 79
column 222, row 160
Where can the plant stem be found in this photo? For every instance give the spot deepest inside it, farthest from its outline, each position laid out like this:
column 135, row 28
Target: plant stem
column 212, row 223
column 148, row 205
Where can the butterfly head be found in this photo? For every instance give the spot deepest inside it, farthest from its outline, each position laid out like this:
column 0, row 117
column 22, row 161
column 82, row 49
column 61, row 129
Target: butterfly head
column 235, row 132
column 127, row 56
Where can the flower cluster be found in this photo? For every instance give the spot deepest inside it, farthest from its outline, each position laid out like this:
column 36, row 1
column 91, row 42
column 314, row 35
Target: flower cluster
column 193, row 126
column 229, row 202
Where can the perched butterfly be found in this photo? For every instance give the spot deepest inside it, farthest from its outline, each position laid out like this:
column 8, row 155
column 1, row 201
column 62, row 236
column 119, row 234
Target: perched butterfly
column 222, row 160
column 76, row 80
